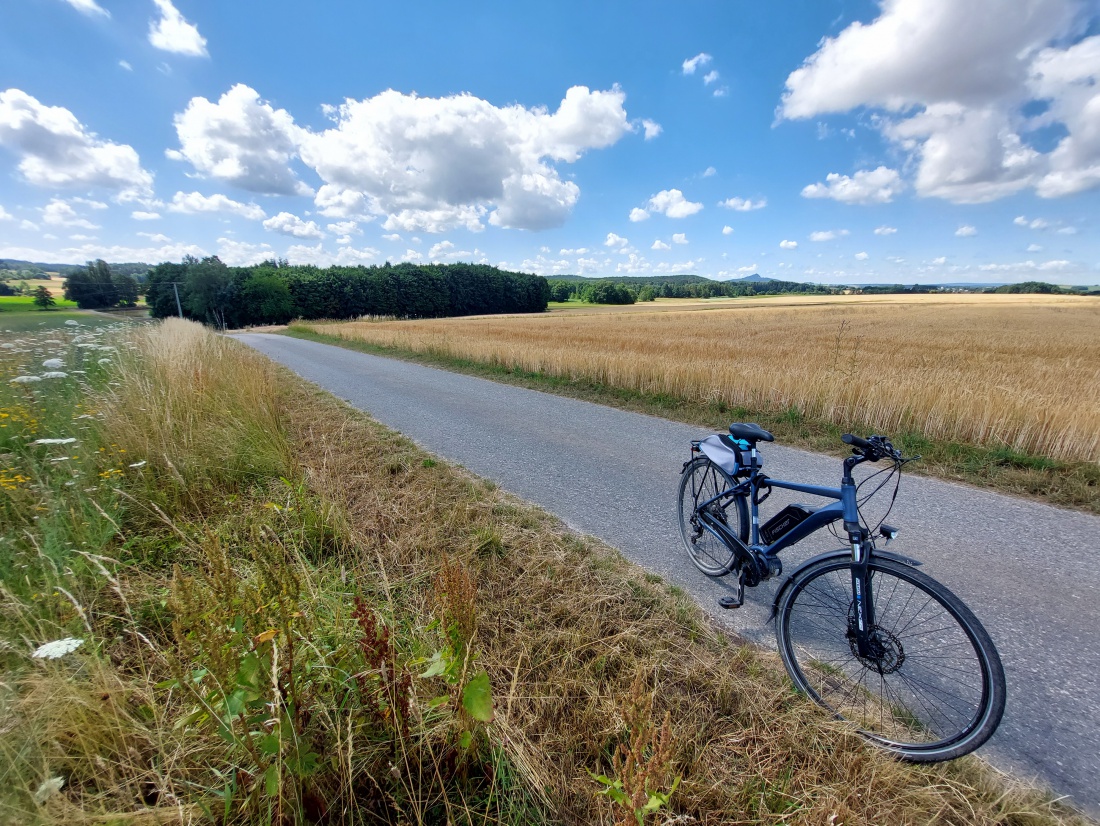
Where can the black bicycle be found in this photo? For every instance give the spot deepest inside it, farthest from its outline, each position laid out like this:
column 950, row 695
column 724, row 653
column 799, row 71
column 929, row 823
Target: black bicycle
column 861, row 631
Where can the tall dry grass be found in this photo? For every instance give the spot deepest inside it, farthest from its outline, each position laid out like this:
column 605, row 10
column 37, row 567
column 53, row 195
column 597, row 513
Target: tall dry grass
column 1022, row 372
column 259, row 652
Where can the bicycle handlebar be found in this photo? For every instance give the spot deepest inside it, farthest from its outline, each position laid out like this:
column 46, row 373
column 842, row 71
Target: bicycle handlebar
column 873, row 449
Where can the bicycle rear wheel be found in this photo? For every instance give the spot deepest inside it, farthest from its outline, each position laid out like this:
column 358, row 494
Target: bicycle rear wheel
column 701, row 481
column 933, row 689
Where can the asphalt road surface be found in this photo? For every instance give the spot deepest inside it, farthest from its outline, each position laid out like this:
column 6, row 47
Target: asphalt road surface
column 1030, row 572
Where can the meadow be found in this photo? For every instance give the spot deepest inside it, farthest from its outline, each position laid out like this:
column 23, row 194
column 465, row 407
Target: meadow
column 226, row 597
column 1020, row 373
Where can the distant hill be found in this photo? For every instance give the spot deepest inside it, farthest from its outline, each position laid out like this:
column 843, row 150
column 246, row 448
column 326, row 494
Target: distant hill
column 632, row 280
column 14, row 264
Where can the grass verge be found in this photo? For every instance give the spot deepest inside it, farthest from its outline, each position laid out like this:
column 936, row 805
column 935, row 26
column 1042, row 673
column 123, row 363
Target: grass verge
column 1063, row 483
column 287, row 613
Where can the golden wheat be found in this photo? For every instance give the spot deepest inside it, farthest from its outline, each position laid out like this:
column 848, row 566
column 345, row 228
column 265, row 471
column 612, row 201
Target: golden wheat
column 1021, row 372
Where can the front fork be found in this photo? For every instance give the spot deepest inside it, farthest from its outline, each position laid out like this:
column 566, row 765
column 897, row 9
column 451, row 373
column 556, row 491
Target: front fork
column 862, row 595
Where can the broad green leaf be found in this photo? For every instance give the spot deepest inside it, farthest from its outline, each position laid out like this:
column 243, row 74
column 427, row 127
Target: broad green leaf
column 271, row 780
column 438, row 666
column 270, row 745
column 436, row 702
column 477, row 698
column 465, row 739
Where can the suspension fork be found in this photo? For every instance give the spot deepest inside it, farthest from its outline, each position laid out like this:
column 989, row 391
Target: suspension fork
column 862, row 596
column 862, row 593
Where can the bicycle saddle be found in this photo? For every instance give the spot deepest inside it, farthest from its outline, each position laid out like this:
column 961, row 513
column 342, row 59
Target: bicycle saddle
column 751, row 433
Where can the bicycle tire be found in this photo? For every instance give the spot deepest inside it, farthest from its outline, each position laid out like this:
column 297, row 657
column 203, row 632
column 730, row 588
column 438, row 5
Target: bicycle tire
column 937, row 689
column 700, row 481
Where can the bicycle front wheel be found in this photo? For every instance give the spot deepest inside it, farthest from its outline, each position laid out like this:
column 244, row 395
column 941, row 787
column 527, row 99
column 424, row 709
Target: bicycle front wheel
column 931, row 688
column 700, row 483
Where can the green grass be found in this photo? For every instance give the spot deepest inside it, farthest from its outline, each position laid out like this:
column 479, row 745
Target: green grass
column 1066, row 484
column 19, row 315
column 20, row 303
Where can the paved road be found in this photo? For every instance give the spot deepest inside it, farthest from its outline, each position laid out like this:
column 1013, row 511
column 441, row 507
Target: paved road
column 1029, row 571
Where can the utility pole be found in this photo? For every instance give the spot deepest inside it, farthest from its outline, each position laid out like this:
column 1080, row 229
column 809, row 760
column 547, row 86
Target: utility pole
column 175, row 290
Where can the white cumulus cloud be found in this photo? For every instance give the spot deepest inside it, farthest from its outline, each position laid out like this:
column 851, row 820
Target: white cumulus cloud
column 651, row 128
column 679, row 238
column 743, row 204
column 861, row 256
column 868, row 186
column 885, row 230
column 966, row 231
column 637, row 214
column 56, row 150
column 671, row 202
column 89, row 7
column 953, row 81
column 241, row 140
column 660, row 245
column 788, row 245
column 614, row 240
column 435, row 163
column 727, row 230
column 692, row 63
column 287, row 223
column 828, row 235
column 172, row 33
column 195, row 203
column 58, row 213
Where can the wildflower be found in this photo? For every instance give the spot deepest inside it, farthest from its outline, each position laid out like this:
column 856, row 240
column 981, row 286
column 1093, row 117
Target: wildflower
column 68, row 441
column 104, row 361
column 25, row 379
column 57, row 649
column 53, row 364
column 54, row 374
column 48, row 789
column 142, row 463
column 72, row 323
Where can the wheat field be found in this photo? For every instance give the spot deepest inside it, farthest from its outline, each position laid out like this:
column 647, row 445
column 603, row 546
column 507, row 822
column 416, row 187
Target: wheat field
column 1021, row 372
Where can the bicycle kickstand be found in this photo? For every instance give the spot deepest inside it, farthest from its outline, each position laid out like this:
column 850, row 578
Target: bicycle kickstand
column 737, row 598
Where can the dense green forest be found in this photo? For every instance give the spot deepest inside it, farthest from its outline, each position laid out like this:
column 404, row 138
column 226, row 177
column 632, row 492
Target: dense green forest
column 275, row 292
column 628, row 289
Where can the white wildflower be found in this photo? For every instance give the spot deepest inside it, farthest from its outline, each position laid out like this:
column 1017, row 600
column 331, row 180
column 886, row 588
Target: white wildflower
column 7, row 345
column 72, row 323
column 59, row 459
column 48, row 789
column 52, row 341
column 67, row 441
column 25, row 379
column 53, row 364
column 104, row 361
column 54, row 374
column 57, row 648
column 142, row 463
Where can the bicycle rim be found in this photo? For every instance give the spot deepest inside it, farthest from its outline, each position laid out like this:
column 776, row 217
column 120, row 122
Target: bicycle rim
column 933, row 689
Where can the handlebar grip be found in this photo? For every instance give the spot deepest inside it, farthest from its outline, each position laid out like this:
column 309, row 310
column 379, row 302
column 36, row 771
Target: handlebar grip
column 856, row 441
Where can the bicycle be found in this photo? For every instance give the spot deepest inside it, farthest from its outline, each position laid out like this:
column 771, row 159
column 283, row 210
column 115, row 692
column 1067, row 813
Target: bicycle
column 861, row 631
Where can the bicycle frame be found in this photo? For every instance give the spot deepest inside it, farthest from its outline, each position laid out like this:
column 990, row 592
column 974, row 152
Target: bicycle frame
column 843, row 508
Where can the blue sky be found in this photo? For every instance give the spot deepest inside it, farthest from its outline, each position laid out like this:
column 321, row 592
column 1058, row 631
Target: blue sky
column 913, row 141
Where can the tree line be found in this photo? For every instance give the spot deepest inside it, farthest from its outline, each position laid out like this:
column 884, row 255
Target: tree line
column 274, row 292
column 628, row 290
column 96, row 287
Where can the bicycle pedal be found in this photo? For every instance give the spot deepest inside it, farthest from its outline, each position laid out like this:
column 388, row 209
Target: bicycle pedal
column 731, row 602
